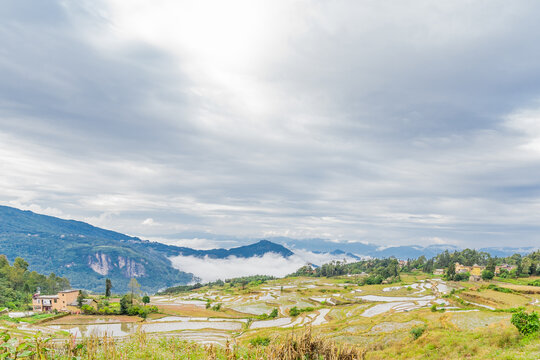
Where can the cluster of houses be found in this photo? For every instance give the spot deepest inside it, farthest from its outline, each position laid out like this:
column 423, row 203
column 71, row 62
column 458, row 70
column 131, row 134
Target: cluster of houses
column 475, row 271
column 64, row 301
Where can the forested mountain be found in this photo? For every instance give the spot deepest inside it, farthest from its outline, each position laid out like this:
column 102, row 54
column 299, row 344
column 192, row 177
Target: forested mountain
column 87, row 255
column 83, row 253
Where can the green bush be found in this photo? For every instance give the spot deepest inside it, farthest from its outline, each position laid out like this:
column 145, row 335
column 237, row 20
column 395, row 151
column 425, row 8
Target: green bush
column 526, row 324
column 462, row 276
column 416, row 332
column 294, row 311
column 500, row 289
column 88, row 310
column 272, row 315
column 260, row 341
column 487, row 275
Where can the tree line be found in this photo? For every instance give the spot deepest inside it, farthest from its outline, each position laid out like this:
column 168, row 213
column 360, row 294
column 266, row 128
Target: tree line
column 388, row 269
column 18, row 284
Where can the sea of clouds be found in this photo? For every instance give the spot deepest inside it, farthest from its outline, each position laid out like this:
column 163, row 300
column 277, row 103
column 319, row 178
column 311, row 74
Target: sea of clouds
column 208, row 269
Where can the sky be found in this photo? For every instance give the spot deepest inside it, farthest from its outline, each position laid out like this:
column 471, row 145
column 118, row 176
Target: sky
column 208, row 122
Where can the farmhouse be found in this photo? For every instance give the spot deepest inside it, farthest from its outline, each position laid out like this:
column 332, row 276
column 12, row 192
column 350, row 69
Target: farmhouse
column 58, row 302
column 476, row 273
column 462, row 269
column 438, row 272
column 506, row 267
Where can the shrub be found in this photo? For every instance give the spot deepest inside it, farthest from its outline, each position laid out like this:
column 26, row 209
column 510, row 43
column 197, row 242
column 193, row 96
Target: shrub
column 462, row 276
column 294, row 311
column 417, row 331
column 87, row 309
column 526, row 324
column 500, row 289
column 487, row 275
column 260, row 341
column 272, row 315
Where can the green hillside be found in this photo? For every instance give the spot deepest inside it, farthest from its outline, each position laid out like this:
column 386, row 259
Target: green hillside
column 85, row 254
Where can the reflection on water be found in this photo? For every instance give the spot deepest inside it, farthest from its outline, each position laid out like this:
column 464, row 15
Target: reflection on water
column 191, row 325
column 125, row 329
column 116, row 330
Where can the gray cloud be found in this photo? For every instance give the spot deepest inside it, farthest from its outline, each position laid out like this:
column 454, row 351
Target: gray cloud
column 400, row 122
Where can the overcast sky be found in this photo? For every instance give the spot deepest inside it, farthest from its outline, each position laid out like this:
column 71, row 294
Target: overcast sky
column 392, row 122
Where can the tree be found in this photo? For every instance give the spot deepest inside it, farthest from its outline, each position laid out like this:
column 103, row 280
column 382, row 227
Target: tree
column 428, row 267
column 146, row 299
column 526, row 265
column 491, row 265
column 451, row 271
column 108, row 287
column 21, row 264
column 243, row 283
column 80, row 298
column 393, row 268
column 125, row 303
column 134, row 288
column 487, row 274
column 526, row 323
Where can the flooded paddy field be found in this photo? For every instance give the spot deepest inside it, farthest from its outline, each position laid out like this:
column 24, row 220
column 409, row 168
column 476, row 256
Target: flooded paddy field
column 336, row 308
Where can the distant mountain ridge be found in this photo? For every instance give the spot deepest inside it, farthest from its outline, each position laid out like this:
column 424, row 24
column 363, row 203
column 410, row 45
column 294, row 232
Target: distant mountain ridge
column 87, row 255
column 257, row 249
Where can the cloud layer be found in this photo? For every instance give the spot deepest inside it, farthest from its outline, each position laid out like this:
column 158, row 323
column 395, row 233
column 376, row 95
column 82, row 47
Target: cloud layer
column 388, row 122
column 208, row 269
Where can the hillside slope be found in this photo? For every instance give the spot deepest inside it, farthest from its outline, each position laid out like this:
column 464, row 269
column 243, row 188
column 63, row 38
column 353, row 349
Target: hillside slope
column 83, row 253
column 87, row 255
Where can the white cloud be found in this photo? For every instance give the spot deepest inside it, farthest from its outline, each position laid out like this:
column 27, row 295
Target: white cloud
column 208, row 269
column 149, row 222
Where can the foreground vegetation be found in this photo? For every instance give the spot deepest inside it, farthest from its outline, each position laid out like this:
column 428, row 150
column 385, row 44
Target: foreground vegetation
column 429, row 343
column 296, row 346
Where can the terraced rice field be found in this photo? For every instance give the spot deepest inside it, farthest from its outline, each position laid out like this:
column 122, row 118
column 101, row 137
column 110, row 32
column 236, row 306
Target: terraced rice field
column 335, row 308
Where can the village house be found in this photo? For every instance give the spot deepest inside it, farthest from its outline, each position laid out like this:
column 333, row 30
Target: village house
column 506, row 267
column 462, row 269
column 476, row 272
column 58, row 302
column 438, row 272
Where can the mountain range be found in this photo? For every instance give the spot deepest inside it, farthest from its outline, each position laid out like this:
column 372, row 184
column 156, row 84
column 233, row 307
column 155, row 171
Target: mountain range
column 87, row 255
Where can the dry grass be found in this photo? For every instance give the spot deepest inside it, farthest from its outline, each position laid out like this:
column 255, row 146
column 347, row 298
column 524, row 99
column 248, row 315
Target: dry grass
column 306, row 346
column 301, row 346
column 524, row 289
